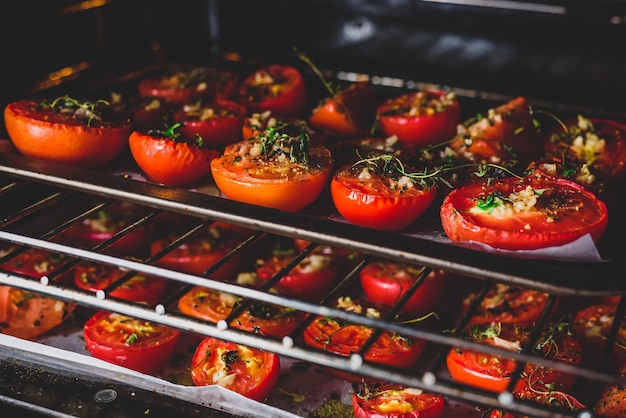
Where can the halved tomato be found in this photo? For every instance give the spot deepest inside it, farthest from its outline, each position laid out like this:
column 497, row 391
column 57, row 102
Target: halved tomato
column 138, row 288
column 282, row 169
column 380, row 192
column 505, row 303
column 246, row 370
column 310, row 279
column 385, row 282
column 137, row 344
column 506, row 132
column 191, row 84
column 219, row 123
column 388, row 400
column 277, row 88
column 262, row 317
column 348, row 113
column 493, row 372
column 523, row 213
column 421, row 118
column 169, row 158
column 65, row 130
column 149, row 112
column 344, row 339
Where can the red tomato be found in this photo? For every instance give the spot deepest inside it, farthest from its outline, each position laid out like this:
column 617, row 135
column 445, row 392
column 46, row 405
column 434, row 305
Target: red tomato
column 421, row 118
column 387, row 400
column 170, row 159
column 146, row 113
column 136, row 344
column 385, row 282
column 595, row 148
column 106, row 223
column 611, row 402
column 265, row 318
column 493, row 372
column 591, row 327
column 200, row 252
column 79, row 133
column 345, row 339
column 281, row 169
column 523, row 214
column 310, row 280
column 347, row 114
column 504, row 303
column 277, row 88
column 189, row 85
column 507, row 132
column 219, row 123
column 27, row 315
column 35, row 262
column 246, row 370
column 381, row 193
column 138, row 288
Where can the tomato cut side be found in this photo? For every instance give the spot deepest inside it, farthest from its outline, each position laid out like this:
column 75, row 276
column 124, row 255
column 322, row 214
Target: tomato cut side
column 553, row 212
column 133, row 343
column 387, row 400
column 246, row 370
column 218, row 123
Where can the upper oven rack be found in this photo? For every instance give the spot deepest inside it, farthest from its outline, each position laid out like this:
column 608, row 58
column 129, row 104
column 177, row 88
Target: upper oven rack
column 59, row 182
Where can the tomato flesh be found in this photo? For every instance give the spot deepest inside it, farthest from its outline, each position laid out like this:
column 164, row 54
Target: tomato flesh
column 246, row 370
column 564, row 211
column 133, row 343
column 219, row 123
column 395, row 401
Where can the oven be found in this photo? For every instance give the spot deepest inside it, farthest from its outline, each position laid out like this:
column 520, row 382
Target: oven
column 562, row 56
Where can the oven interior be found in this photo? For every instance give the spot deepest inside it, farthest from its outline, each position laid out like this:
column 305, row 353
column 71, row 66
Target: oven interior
column 561, row 56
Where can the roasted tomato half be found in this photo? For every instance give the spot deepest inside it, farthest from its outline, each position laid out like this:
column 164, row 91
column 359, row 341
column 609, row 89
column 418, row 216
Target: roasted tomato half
column 281, row 169
column 277, row 88
column 523, row 213
column 65, row 130
column 136, row 286
column 506, row 132
column 218, row 123
column 421, row 118
column 149, row 112
column 344, row 339
column 189, row 85
column 493, row 372
column 388, row 400
column 133, row 343
column 385, row 282
column 248, row 371
column 169, row 158
column 380, row 192
column 262, row 317
column 348, row 113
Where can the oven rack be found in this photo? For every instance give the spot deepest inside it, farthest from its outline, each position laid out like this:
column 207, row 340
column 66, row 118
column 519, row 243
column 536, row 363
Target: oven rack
column 35, row 190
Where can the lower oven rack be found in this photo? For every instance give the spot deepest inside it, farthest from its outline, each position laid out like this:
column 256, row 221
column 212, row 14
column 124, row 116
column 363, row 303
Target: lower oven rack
column 38, row 196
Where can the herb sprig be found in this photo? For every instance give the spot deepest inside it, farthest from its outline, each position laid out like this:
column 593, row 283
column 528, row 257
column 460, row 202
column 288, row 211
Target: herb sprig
column 80, row 108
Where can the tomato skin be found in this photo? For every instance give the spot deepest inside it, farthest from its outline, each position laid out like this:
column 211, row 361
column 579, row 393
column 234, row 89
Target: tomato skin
column 277, row 88
column 202, row 251
column 385, row 282
column 168, row 162
column 214, row 306
column 507, row 132
column 493, row 372
column 310, row 280
column 209, row 361
column 263, row 182
column 106, row 335
column 421, row 118
column 138, row 288
column 222, row 128
column 42, row 133
column 347, row 114
column 395, row 401
column 371, row 205
column 574, row 213
column 611, row 402
column 189, row 85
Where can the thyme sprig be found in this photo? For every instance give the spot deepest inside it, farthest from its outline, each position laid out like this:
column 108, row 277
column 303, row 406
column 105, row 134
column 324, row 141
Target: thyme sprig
column 80, row 108
column 289, row 139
